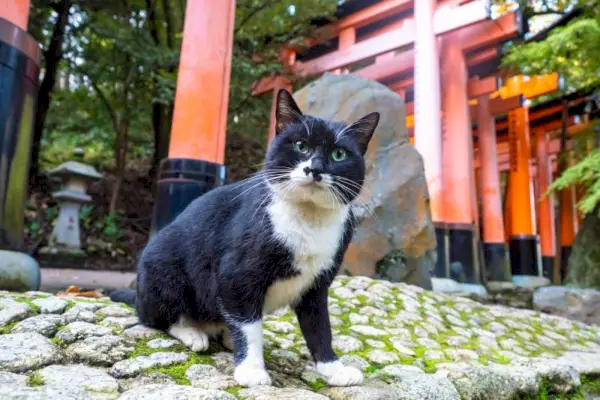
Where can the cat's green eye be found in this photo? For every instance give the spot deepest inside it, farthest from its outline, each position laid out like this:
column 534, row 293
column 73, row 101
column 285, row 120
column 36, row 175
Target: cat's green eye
column 338, row 155
column 301, row 147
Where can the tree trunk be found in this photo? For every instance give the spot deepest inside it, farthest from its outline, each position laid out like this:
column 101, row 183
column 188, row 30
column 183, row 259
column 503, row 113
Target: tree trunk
column 52, row 57
column 120, row 160
column 584, row 262
column 161, row 113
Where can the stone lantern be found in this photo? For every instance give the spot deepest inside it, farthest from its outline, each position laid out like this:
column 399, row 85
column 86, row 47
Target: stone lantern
column 75, row 178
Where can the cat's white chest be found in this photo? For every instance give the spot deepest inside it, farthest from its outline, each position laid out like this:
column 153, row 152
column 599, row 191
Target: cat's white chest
column 313, row 241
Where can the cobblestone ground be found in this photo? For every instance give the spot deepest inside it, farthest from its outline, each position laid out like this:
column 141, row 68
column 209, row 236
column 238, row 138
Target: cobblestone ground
column 410, row 343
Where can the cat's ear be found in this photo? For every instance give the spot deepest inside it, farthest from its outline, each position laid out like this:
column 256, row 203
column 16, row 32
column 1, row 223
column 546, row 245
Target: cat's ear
column 287, row 111
column 363, row 129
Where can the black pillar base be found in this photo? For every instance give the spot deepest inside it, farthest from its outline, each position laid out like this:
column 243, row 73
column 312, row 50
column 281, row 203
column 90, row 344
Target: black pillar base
column 442, row 267
column 181, row 181
column 565, row 253
column 548, row 267
column 524, row 255
column 497, row 263
column 464, row 260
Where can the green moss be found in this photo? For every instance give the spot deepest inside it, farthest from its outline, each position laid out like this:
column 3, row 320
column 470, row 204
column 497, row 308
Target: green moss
column 177, row 372
column 57, row 341
column 35, row 380
column 70, row 304
column 7, row 328
column 27, row 301
column 317, row 385
column 363, row 299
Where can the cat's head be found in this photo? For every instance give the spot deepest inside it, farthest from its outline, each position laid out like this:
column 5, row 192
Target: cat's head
column 316, row 160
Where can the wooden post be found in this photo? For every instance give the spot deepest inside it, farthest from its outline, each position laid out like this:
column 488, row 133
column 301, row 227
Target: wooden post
column 494, row 244
column 546, row 221
column 458, row 172
column 197, row 147
column 523, row 239
column 428, row 128
column 202, row 96
column 15, row 12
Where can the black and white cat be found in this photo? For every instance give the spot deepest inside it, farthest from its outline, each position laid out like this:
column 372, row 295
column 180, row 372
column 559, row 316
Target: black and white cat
column 244, row 250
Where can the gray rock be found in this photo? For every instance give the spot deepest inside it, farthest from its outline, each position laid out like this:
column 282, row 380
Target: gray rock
column 140, row 332
column 272, row 393
column 18, row 271
column 99, row 350
column 224, row 362
column 133, row 366
column 45, row 325
column 20, row 352
column 355, row 361
column 97, row 383
column 368, row 330
column 146, row 378
column 90, row 305
column 162, row 343
column 280, row 326
column 114, row 310
column 208, row 377
column 399, row 243
column 81, row 314
column 11, row 311
column 286, row 362
column 51, row 305
column 346, row 344
column 80, row 330
column 174, row 392
column 382, row 357
column 10, row 379
column 358, row 393
column 43, row 393
column 400, row 371
column 424, row 386
column 576, row 304
column 493, row 383
column 120, row 322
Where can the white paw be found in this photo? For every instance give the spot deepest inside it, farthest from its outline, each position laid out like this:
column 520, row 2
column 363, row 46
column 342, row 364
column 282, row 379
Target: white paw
column 192, row 338
column 251, row 376
column 336, row 374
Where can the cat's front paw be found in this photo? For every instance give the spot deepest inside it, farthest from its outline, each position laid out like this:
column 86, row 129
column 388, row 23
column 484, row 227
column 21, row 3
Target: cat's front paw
column 251, row 376
column 337, row 374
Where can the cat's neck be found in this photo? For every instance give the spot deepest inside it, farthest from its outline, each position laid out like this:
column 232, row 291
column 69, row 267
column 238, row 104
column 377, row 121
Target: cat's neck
column 309, row 212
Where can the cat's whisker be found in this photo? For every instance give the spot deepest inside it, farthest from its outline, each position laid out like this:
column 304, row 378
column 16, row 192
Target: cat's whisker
column 264, row 179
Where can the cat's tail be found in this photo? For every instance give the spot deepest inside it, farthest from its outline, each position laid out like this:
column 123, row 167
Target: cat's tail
column 124, row 296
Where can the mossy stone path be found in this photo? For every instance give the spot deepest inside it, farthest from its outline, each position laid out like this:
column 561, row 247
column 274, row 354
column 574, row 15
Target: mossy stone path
column 411, row 344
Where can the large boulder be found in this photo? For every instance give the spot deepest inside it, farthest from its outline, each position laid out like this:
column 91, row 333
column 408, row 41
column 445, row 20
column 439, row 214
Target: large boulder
column 395, row 238
column 573, row 303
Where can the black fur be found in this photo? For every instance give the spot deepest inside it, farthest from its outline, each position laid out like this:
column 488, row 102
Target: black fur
column 216, row 260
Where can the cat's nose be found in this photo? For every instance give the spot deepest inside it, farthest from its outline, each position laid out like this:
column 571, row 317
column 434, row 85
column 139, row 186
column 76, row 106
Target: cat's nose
column 316, row 167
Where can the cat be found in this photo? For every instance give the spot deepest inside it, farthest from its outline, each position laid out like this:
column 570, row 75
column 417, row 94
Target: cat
column 246, row 249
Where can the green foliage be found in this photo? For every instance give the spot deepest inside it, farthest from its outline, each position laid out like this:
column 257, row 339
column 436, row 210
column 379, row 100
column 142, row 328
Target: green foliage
column 121, row 57
column 587, row 174
column 573, row 51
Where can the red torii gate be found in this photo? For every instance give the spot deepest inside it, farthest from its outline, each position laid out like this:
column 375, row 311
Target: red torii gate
column 412, row 41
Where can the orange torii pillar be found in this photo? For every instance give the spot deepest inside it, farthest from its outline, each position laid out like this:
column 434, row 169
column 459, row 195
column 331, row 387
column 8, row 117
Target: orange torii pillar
column 546, row 221
column 523, row 244
column 458, row 170
column 567, row 223
column 494, row 243
column 197, row 148
column 428, row 129
column 15, row 12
